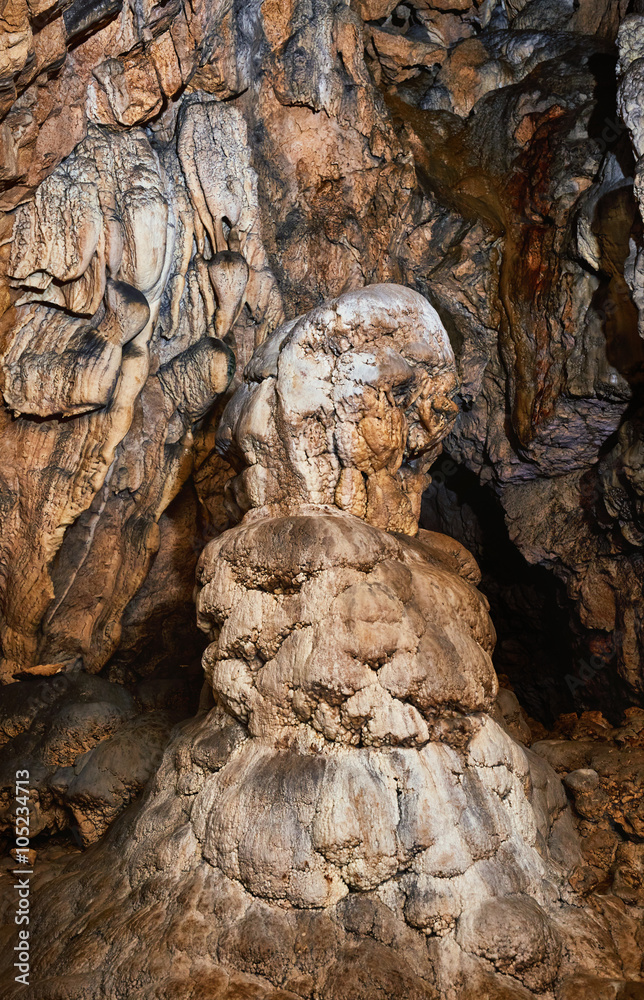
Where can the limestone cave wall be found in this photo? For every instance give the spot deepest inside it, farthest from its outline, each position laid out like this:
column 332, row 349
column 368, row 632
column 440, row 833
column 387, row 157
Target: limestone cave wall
column 322, row 497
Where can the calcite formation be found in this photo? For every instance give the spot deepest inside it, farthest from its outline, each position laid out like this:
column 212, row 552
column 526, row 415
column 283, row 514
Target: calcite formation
column 349, row 786
column 113, row 342
column 496, row 178
column 324, row 303
column 347, row 405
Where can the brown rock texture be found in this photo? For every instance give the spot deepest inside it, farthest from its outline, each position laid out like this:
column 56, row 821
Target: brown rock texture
column 109, row 362
column 321, row 305
column 349, row 774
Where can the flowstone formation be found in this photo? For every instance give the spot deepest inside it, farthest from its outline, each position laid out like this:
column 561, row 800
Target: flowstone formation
column 216, row 220
column 122, row 285
column 346, row 820
column 122, row 276
column 477, row 153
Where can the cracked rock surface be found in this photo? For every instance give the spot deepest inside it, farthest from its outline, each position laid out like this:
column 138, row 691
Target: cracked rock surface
column 327, row 303
column 348, row 812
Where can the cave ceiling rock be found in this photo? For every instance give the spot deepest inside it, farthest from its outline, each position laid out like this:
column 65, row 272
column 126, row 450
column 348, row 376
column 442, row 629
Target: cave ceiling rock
column 631, row 90
column 67, row 65
column 540, row 312
column 584, row 17
column 227, row 210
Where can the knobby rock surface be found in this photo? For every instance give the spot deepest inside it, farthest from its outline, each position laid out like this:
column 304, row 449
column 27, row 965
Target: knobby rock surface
column 322, row 304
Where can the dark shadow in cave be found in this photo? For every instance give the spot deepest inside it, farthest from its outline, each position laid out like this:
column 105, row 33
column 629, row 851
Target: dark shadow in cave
column 616, row 222
column 536, row 647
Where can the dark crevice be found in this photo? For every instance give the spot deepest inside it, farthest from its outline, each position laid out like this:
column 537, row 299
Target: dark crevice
column 536, row 646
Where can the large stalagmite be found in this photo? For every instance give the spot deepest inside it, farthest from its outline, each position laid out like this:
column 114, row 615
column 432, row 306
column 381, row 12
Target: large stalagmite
column 348, row 786
column 323, row 304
